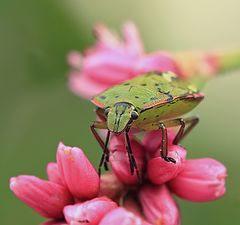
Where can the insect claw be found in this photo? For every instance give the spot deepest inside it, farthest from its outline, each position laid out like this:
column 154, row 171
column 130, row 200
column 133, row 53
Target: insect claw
column 169, row 159
column 172, row 160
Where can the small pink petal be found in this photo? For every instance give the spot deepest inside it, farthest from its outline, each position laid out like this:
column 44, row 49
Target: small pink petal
column 45, row 197
column 158, row 205
column 120, row 216
column 54, row 174
column 80, row 176
column 160, row 171
column 109, row 67
column 74, row 59
column 132, row 39
column 110, row 186
column 201, row 180
column 159, row 62
column 84, row 86
column 106, row 39
column 89, row 212
column 120, row 162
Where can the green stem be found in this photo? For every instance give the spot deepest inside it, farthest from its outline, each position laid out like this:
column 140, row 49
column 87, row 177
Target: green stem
column 229, row 60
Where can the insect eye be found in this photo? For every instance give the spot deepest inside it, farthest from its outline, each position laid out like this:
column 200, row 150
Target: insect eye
column 134, row 115
column 107, row 111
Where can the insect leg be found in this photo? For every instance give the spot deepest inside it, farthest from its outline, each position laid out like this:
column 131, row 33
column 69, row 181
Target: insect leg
column 164, row 147
column 105, row 154
column 190, row 122
column 183, row 131
column 132, row 161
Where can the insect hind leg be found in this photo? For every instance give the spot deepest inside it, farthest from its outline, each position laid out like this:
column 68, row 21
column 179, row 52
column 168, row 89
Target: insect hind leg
column 190, row 122
column 186, row 125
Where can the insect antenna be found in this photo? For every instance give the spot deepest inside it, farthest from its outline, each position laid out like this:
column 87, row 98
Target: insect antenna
column 132, row 161
column 105, row 155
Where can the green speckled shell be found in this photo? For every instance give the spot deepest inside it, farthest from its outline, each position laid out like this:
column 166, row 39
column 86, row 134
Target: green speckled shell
column 156, row 96
column 146, row 90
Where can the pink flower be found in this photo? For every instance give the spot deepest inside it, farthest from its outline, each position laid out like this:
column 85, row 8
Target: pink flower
column 160, row 171
column 72, row 181
column 73, row 194
column 46, row 197
column 77, row 172
column 201, row 180
column 158, row 205
column 110, row 61
column 195, row 180
column 89, row 212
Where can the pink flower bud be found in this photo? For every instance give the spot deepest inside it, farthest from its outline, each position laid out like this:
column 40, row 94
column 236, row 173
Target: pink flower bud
column 75, row 59
column 83, row 85
column 45, row 197
column 89, row 212
column 201, row 180
column 54, row 174
column 120, row 216
column 158, row 205
column 160, row 171
column 78, row 173
column 120, row 162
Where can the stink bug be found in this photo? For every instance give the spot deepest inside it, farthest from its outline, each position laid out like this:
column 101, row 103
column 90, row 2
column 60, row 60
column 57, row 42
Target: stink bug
column 152, row 101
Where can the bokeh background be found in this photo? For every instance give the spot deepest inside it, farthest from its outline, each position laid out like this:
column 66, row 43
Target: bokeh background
column 37, row 110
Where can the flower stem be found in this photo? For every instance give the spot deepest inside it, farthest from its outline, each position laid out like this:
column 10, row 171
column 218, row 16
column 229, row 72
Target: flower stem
column 229, row 60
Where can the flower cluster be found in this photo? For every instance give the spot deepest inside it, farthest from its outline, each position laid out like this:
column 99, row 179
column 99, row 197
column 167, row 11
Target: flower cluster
column 111, row 61
column 74, row 193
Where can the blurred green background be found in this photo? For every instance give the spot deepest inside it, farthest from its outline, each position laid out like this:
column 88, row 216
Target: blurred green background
column 37, row 109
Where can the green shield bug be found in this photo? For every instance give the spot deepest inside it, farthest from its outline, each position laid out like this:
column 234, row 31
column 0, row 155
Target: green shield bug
column 152, row 101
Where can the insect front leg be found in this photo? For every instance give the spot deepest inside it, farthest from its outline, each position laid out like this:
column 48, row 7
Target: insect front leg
column 105, row 155
column 132, row 161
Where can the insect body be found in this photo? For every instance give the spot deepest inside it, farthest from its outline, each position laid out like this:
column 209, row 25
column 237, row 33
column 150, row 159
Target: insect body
column 148, row 102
